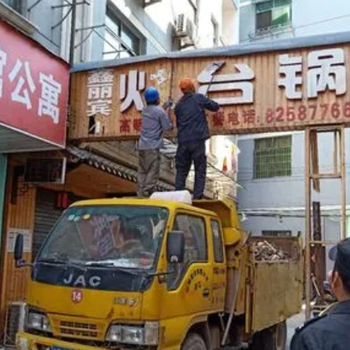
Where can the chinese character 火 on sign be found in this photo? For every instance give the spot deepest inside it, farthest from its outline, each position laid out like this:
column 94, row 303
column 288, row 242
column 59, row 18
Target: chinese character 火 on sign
column 290, row 67
column 100, row 87
column 326, row 70
column 235, row 82
column 48, row 102
column 136, row 82
column 21, row 93
column 3, row 58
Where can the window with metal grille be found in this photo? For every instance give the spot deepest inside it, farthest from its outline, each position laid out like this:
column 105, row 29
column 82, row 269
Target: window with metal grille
column 272, row 14
column 283, row 233
column 120, row 40
column 273, row 157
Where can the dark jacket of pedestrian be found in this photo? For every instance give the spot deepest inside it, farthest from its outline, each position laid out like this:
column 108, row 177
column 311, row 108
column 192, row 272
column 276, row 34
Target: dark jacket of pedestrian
column 327, row 332
column 331, row 331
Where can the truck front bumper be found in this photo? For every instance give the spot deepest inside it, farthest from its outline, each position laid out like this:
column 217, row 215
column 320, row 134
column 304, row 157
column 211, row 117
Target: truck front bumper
column 26, row 341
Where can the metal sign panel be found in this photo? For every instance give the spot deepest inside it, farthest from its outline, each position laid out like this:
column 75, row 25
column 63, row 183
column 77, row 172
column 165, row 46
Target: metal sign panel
column 33, row 88
column 257, row 92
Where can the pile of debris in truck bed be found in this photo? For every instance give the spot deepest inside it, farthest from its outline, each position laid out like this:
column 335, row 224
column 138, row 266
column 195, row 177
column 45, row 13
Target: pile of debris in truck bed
column 265, row 251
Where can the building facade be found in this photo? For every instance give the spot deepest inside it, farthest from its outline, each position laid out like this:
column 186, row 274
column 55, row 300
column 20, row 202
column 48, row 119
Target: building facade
column 263, row 20
column 40, row 178
column 272, row 166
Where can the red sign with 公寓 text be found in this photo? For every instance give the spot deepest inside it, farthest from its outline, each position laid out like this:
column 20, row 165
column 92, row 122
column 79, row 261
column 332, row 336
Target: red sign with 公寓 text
column 33, row 88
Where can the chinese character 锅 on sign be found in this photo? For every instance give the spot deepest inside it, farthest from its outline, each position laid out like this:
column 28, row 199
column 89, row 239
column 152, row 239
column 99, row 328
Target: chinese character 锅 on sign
column 326, row 71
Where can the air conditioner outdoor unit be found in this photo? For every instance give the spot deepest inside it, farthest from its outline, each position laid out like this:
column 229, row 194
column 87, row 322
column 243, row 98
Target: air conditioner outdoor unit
column 15, row 318
column 184, row 27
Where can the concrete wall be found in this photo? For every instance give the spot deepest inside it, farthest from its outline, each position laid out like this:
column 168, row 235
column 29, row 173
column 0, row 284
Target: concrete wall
column 312, row 17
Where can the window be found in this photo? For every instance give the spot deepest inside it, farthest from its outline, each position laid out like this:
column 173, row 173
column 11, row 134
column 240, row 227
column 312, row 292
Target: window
column 17, row 5
column 217, row 241
column 273, row 157
column 272, row 14
column 195, row 246
column 282, row 233
column 120, row 40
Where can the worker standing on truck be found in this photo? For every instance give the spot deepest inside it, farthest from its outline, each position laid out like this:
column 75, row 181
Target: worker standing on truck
column 331, row 329
column 154, row 122
column 193, row 131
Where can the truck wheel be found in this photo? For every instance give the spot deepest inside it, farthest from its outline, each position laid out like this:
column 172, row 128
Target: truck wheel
column 194, row 342
column 273, row 338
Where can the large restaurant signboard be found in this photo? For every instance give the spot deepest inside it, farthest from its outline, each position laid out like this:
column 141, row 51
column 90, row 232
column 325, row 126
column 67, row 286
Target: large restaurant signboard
column 33, row 88
column 261, row 91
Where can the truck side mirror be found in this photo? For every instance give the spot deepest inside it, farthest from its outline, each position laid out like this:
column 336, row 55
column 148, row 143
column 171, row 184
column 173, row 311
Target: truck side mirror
column 175, row 248
column 18, row 253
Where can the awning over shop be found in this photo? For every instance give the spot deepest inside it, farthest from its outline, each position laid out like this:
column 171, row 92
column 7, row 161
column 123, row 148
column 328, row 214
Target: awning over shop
column 110, row 167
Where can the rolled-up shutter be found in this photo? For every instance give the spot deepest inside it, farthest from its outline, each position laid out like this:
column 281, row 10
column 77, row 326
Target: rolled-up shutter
column 45, row 217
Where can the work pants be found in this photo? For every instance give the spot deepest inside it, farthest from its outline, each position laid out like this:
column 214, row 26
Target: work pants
column 148, row 172
column 186, row 153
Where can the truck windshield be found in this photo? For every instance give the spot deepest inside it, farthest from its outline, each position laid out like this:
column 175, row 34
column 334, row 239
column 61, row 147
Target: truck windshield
column 106, row 236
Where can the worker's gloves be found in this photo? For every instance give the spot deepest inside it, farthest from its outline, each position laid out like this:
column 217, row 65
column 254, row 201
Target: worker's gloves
column 169, row 104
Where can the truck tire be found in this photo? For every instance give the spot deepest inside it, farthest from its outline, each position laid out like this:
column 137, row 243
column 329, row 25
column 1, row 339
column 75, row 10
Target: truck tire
column 194, row 342
column 273, row 338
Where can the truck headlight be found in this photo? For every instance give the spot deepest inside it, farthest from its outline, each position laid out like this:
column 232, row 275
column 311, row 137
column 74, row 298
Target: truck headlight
column 147, row 334
column 38, row 321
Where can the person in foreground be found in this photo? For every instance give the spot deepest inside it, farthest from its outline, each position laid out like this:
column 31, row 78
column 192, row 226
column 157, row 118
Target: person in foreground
column 155, row 122
column 193, row 131
column 331, row 331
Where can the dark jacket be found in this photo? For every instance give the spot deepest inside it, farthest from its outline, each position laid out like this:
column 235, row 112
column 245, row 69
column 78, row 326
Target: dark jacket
column 329, row 332
column 191, row 120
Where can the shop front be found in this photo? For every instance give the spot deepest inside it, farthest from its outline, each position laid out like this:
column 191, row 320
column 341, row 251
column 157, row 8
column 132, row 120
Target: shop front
column 33, row 115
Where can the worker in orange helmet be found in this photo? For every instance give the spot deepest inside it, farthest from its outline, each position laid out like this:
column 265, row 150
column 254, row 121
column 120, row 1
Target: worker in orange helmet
column 193, row 131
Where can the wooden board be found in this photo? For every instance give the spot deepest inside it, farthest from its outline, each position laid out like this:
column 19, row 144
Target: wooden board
column 261, row 92
column 13, row 282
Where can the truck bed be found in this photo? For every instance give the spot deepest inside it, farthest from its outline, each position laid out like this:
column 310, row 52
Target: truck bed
column 270, row 287
column 277, row 285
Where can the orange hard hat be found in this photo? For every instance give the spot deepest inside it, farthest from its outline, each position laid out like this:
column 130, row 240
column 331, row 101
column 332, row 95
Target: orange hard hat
column 186, row 84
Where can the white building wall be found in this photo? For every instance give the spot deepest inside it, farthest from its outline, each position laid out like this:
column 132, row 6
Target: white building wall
column 309, row 17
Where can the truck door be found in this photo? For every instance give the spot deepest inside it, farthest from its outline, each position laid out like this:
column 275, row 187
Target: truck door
column 188, row 286
column 218, row 286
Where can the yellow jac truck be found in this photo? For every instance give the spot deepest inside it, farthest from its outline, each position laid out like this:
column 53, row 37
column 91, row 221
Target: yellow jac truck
column 157, row 274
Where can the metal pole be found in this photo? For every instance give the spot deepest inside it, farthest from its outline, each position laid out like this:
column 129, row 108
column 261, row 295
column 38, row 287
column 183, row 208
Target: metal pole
column 72, row 32
column 307, row 224
column 343, row 182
